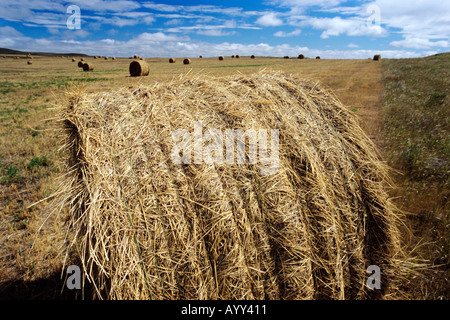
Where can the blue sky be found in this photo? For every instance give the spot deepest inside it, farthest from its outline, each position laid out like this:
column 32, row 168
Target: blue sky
column 189, row 28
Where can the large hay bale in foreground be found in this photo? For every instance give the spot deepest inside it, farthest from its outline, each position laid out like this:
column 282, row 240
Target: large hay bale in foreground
column 149, row 228
column 139, row 68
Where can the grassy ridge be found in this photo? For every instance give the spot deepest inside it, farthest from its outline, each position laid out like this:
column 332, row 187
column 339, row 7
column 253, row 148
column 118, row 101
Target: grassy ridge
column 417, row 115
column 416, row 111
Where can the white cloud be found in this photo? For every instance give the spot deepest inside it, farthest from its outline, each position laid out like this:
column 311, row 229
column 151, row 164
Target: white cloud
column 337, row 26
column 352, row 45
column 216, row 32
column 283, row 34
column 424, row 24
column 419, row 43
column 269, row 20
column 9, row 32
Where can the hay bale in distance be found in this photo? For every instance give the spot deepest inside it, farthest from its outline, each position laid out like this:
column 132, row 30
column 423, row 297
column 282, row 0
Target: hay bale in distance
column 301, row 56
column 88, row 67
column 317, row 58
column 29, row 62
column 221, row 58
column 286, row 57
column 232, row 56
column 149, row 228
column 377, row 57
column 82, row 59
column 252, row 57
column 172, row 60
column 238, row 56
column 200, row 57
column 80, row 64
column 187, row 61
column 139, row 68
column 73, row 60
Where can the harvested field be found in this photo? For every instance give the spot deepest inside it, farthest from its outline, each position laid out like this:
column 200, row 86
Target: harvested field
column 309, row 230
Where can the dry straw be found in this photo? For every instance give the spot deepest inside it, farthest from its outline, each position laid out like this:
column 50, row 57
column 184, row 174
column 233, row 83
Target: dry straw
column 146, row 228
column 139, row 68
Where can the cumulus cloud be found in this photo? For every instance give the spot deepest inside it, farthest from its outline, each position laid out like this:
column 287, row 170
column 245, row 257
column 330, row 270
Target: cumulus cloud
column 424, row 24
column 337, row 26
column 10, row 32
column 269, row 20
column 283, row 34
column 419, row 43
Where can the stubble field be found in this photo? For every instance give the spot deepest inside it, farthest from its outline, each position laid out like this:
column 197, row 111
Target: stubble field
column 32, row 239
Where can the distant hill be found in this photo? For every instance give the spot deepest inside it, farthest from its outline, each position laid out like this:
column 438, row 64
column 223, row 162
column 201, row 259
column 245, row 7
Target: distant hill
column 46, row 54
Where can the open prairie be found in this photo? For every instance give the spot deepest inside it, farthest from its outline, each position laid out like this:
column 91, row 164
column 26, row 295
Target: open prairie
column 32, row 239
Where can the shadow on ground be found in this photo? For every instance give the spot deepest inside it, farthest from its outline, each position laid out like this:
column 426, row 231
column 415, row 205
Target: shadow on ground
column 51, row 288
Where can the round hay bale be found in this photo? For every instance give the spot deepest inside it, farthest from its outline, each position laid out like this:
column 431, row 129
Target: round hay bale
column 29, row 62
column 232, row 57
column 286, row 57
column 187, row 61
column 139, row 68
column 317, row 58
column 113, row 58
column 80, row 64
column 237, row 56
column 95, row 57
column 106, row 58
column 73, row 60
column 303, row 222
column 201, row 57
column 377, row 57
column 221, row 58
column 172, row 60
column 252, row 57
column 82, row 59
column 301, row 56
column 88, row 67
